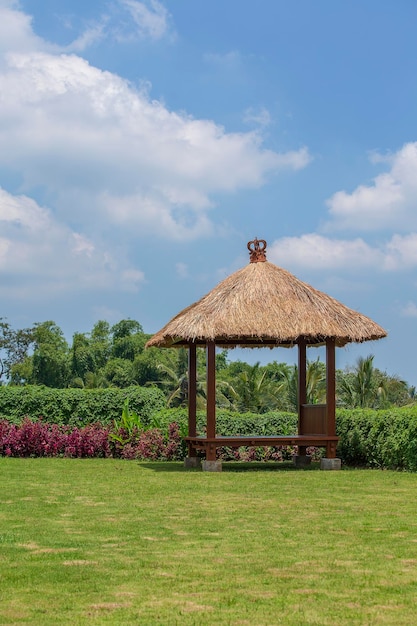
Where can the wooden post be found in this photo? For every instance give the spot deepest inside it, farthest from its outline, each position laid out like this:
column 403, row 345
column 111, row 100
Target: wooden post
column 192, row 395
column 302, row 386
column 302, row 374
column 211, row 398
column 331, row 393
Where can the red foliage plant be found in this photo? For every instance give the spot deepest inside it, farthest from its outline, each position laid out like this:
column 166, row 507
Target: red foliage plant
column 40, row 439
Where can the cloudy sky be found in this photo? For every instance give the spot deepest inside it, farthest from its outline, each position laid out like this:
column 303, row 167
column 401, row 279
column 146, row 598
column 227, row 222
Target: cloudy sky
column 144, row 143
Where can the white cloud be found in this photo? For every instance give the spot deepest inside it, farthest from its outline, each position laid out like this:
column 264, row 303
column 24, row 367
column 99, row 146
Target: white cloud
column 151, row 18
column 321, row 253
column 38, row 254
column 401, row 252
column 82, row 245
column 16, row 30
column 104, row 157
column 261, row 117
column 91, row 35
column 152, row 214
column 389, row 202
column 77, row 132
column 409, row 310
column 315, row 252
column 123, row 21
column 23, row 212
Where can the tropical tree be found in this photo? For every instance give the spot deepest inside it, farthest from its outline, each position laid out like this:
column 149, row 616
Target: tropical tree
column 128, row 339
column 247, row 387
column 82, row 357
column 315, row 385
column 14, row 347
column 100, row 343
column 361, row 387
column 366, row 386
column 174, row 378
column 146, row 366
column 397, row 391
column 50, row 361
column 118, row 373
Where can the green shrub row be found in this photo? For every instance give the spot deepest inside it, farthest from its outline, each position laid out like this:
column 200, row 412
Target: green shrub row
column 368, row 438
column 77, row 407
column 232, row 423
column 378, row 438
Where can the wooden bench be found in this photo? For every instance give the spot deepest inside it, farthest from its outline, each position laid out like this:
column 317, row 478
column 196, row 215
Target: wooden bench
column 209, row 444
column 312, row 431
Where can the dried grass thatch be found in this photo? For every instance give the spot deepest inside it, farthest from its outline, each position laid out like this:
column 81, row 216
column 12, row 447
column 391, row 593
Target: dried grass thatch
column 262, row 304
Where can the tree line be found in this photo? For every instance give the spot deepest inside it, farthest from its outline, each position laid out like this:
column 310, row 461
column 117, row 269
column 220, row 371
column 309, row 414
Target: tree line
column 114, row 356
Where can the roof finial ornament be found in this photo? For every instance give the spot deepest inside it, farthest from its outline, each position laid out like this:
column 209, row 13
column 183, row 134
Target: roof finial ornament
column 257, row 249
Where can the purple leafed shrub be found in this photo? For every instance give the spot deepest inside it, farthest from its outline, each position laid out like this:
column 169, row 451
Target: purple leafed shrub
column 129, row 452
column 36, row 439
column 90, row 441
column 39, row 439
column 174, row 448
column 149, row 444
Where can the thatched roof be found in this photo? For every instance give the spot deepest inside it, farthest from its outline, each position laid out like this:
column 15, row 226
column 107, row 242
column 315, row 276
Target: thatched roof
column 263, row 304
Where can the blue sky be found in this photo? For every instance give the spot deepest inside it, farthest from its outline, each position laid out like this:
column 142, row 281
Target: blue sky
column 143, row 143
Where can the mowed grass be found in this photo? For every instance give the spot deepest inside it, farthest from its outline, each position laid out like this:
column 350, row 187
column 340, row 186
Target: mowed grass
column 119, row 542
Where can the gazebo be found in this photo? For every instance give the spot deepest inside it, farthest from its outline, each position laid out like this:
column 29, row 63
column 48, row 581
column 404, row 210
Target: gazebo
column 262, row 305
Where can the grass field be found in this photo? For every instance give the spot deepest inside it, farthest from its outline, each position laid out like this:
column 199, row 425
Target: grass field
column 119, row 542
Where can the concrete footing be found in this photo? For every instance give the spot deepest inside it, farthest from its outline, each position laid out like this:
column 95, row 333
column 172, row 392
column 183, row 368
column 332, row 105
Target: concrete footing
column 330, row 464
column 192, row 461
column 301, row 460
column 211, row 466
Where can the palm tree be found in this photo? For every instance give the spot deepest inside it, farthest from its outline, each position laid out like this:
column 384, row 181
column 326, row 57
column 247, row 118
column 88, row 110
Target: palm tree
column 253, row 389
column 175, row 378
column 362, row 387
column 315, row 384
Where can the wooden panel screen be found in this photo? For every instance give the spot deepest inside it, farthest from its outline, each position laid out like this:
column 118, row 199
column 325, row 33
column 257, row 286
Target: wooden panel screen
column 313, row 419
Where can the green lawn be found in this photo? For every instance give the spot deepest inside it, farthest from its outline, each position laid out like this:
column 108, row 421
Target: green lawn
column 120, row 542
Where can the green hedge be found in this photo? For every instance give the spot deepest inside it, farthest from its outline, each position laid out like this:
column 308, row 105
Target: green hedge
column 368, row 438
column 77, row 407
column 231, row 423
column 378, row 438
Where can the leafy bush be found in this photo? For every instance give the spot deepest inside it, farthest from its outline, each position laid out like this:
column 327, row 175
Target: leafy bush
column 77, row 407
column 378, row 438
column 232, row 423
column 368, row 438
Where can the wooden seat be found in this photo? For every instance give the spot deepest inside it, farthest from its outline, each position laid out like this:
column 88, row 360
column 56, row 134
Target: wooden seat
column 209, row 444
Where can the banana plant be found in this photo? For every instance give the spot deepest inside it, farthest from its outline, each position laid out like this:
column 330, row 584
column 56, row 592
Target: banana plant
column 130, row 422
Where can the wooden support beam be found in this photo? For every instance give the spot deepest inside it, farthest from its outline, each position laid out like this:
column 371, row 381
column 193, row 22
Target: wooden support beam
column 302, row 373
column 331, row 390
column 211, row 389
column 302, row 376
column 192, row 392
column 302, row 386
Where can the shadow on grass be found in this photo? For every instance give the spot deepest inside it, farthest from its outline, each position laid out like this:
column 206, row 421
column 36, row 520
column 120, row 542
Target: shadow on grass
column 230, row 466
